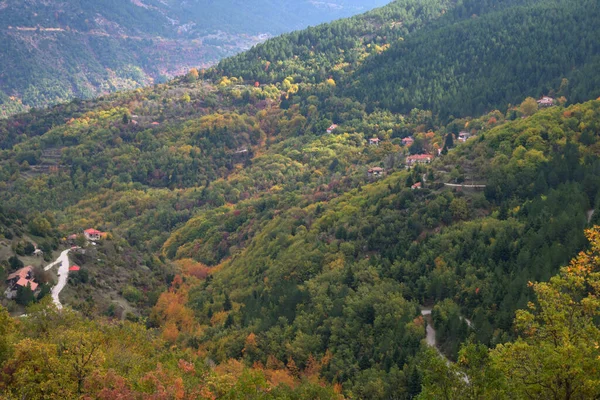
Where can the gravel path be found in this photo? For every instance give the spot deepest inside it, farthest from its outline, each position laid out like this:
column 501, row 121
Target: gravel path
column 63, row 274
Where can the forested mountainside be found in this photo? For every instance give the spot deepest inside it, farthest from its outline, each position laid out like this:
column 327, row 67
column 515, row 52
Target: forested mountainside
column 476, row 56
column 489, row 61
column 308, row 245
column 54, row 51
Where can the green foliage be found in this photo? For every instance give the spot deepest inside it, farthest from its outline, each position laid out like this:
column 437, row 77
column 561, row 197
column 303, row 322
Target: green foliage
column 516, row 51
column 25, row 295
column 333, row 50
column 308, row 267
column 132, row 294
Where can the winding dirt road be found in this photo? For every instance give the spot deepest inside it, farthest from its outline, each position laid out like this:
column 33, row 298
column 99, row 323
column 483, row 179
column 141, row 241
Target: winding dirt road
column 63, row 274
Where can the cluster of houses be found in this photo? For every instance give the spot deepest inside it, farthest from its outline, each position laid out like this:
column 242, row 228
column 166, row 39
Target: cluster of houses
column 407, row 141
column 25, row 277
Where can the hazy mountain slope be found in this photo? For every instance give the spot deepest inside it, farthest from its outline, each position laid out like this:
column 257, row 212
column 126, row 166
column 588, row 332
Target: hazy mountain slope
column 54, row 51
column 489, row 61
column 269, row 16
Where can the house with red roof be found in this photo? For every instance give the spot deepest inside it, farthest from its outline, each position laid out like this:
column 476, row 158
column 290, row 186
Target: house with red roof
column 546, row 101
column 332, row 128
column 92, row 234
column 21, row 278
column 408, row 141
column 375, row 172
column 419, row 159
column 417, row 185
column 374, row 141
column 74, row 268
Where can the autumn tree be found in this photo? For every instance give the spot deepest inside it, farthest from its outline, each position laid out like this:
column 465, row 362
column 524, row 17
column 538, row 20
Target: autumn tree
column 529, row 106
column 81, row 353
column 557, row 354
column 6, row 329
column 192, row 75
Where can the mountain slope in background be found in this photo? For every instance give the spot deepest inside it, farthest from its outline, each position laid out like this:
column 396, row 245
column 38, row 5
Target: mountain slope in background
column 490, row 61
column 54, row 51
column 475, row 57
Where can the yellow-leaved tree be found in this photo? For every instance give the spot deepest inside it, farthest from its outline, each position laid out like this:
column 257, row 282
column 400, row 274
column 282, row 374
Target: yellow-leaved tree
column 557, row 354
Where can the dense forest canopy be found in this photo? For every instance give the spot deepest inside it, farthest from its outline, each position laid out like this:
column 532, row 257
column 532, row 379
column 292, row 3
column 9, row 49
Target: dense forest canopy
column 512, row 53
column 268, row 232
column 471, row 58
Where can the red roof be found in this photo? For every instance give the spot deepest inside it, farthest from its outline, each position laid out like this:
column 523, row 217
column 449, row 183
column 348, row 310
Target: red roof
column 416, row 185
column 24, row 282
column 375, row 169
column 22, row 273
column 23, row 279
column 92, row 232
column 421, row 157
column 75, row 268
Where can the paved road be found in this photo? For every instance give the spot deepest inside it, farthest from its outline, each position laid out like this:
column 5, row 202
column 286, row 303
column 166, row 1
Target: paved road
column 63, row 274
column 430, row 332
column 431, row 341
column 460, row 185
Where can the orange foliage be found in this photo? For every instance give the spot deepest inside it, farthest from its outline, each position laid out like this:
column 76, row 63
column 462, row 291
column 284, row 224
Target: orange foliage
column 194, row 73
column 187, row 367
column 177, row 282
column 165, row 386
column 326, row 358
column 274, row 363
column 292, row 367
column 170, row 333
column 280, row 377
column 230, row 367
column 419, row 321
column 218, row 318
column 108, row 386
column 313, row 369
column 337, row 388
column 171, row 312
column 251, row 340
column 190, row 267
